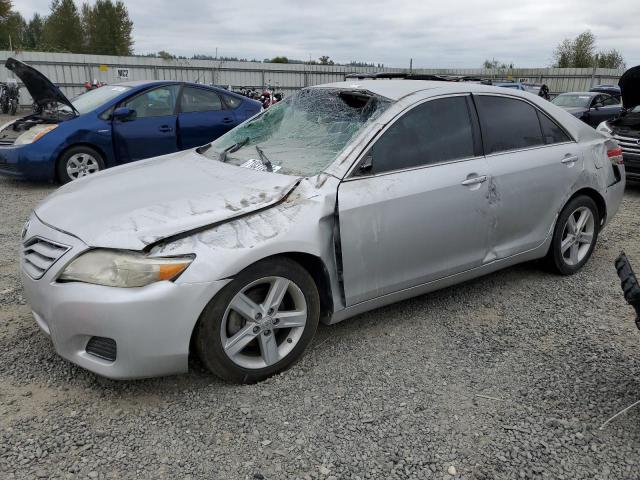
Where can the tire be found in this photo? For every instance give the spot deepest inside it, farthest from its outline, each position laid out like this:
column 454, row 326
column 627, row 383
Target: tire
column 5, row 108
column 247, row 357
column 13, row 108
column 574, row 237
column 85, row 160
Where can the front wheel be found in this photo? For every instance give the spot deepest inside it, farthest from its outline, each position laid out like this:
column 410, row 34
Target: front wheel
column 78, row 162
column 260, row 323
column 14, row 108
column 575, row 236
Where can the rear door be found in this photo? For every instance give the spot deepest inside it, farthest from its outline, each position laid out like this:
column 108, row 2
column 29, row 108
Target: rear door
column 153, row 131
column 533, row 164
column 415, row 208
column 203, row 117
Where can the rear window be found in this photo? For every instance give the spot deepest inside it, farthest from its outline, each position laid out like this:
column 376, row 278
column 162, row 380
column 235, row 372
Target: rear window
column 551, row 132
column 507, row 124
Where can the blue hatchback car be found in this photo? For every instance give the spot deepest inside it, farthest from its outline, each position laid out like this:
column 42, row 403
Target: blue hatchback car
column 112, row 125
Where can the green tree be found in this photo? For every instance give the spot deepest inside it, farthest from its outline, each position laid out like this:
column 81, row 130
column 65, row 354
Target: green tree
column 63, row 29
column 580, row 52
column 325, row 60
column 33, row 33
column 278, row 60
column 107, row 28
column 611, row 59
column 5, row 8
column 12, row 31
column 165, row 55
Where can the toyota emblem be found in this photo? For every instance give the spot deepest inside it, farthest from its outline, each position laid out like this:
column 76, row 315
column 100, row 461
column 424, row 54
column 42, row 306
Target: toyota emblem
column 23, row 234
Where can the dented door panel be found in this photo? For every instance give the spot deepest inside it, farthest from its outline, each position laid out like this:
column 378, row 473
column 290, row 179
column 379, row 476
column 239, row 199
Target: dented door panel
column 526, row 191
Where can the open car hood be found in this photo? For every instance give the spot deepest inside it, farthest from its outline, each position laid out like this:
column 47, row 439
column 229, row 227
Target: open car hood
column 138, row 204
column 40, row 88
column 630, row 87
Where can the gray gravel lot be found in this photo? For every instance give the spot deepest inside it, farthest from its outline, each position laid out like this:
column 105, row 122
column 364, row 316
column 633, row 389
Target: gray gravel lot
column 509, row 376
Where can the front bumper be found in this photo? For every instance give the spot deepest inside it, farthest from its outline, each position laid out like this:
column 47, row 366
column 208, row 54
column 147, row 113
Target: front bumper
column 151, row 325
column 27, row 161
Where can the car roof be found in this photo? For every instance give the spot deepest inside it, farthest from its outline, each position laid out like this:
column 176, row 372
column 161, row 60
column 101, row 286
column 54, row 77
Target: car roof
column 397, row 89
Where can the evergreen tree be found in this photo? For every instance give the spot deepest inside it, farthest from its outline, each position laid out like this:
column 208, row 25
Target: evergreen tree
column 107, row 28
column 33, row 33
column 63, row 29
column 5, row 8
column 12, row 31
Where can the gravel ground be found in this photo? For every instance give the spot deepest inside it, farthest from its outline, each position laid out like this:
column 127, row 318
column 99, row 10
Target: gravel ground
column 509, row 376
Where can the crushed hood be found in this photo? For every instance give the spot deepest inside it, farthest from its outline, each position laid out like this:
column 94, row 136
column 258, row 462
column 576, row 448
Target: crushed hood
column 40, row 88
column 133, row 206
column 629, row 85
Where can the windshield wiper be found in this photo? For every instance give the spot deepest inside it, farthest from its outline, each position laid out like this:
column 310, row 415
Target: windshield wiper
column 233, row 148
column 263, row 158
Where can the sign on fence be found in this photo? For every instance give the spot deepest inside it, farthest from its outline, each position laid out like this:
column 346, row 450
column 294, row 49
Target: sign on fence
column 123, row 73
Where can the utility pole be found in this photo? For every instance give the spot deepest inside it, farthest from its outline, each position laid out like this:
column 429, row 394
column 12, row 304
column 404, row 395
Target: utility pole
column 10, row 46
column 411, row 65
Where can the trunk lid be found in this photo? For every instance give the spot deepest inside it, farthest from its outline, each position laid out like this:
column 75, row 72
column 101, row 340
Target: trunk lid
column 132, row 206
column 40, row 88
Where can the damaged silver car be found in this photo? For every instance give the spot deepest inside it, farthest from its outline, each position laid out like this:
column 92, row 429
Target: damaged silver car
column 338, row 200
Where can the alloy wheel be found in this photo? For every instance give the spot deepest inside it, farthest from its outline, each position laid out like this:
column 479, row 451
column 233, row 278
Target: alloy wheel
column 82, row 164
column 263, row 322
column 577, row 236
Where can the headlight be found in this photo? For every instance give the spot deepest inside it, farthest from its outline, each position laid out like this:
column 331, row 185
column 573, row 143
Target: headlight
column 34, row 133
column 604, row 128
column 115, row 268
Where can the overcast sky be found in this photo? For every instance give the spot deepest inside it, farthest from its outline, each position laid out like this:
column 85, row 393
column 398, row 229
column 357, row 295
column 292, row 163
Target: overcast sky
column 456, row 33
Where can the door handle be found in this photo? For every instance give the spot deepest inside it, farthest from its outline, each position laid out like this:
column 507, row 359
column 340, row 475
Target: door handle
column 227, row 120
column 474, row 180
column 569, row 159
column 165, row 129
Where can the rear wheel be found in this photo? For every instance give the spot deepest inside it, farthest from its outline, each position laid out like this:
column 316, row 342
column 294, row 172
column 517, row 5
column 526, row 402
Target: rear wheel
column 14, row 107
column 78, row 162
column 260, row 323
column 575, row 236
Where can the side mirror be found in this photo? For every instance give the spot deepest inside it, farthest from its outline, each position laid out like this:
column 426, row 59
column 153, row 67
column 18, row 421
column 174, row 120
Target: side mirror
column 596, row 106
column 124, row 114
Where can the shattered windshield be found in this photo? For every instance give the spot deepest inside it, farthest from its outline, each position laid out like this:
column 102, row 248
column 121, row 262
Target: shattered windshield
column 301, row 135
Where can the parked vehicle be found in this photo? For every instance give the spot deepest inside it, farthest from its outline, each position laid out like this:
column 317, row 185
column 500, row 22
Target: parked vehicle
column 9, row 97
column 340, row 199
column 613, row 90
column 590, row 107
column 625, row 128
column 64, row 140
column 513, row 85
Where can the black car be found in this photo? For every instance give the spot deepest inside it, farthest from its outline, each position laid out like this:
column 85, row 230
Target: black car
column 592, row 108
column 626, row 127
column 613, row 90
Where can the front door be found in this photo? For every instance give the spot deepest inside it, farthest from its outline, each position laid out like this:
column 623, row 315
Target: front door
column 533, row 164
column 153, row 130
column 415, row 209
column 202, row 118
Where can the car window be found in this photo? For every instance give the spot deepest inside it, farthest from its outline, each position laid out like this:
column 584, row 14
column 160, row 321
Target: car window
column 507, row 124
column 199, row 100
column 597, row 101
column 433, row 132
column 551, row 132
column 608, row 101
column 159, row 102
column 232, row 102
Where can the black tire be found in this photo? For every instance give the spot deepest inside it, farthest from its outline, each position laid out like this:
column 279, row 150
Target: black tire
column 82, row 150
column 5, row 108
column 14, row 108
column 555, row 259
column 208, row 341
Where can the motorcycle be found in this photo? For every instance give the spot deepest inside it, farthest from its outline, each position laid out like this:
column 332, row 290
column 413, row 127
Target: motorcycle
column 629, row 284
column 88, row 86
column 9, row 97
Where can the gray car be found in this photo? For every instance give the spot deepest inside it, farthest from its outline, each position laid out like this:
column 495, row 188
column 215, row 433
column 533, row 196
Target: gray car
column 340, row 199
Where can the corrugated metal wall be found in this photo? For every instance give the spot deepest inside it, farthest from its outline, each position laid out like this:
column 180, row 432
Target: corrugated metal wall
column 71, row 71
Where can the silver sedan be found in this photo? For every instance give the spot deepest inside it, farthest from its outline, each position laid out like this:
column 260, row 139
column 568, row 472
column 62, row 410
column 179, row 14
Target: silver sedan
column 338, row 200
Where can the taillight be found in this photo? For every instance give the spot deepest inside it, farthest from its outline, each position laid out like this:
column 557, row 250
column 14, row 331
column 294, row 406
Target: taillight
column 615, row 155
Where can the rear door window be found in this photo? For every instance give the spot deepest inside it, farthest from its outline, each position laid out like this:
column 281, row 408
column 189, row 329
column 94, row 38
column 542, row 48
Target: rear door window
column 199, row 100
column 507, row 124
column 551, row 132
column 433, row 132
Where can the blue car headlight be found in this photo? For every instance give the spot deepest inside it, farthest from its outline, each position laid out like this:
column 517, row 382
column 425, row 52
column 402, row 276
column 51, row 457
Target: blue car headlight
column 34, row 133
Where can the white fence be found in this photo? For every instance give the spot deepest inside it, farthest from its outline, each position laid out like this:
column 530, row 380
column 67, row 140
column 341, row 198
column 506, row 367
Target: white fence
column 71, row 71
